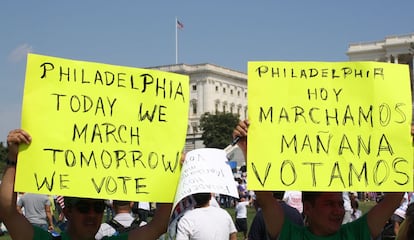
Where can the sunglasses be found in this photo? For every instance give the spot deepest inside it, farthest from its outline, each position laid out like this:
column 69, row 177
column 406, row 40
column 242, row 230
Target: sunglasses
column 85, row 206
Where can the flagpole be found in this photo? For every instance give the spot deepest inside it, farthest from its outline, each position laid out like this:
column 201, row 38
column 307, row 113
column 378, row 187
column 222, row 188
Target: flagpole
column 176, row 40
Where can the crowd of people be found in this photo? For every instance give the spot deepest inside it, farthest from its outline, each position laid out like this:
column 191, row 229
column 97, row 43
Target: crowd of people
column 279, row 215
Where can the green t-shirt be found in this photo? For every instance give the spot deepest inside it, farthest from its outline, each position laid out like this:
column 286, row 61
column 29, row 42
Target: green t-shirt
column 355, row 230
column 41, row 234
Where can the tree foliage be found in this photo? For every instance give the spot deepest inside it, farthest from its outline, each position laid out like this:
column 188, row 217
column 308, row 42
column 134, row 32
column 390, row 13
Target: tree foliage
column 3, row 152
column 217, row 129
column 3, row 157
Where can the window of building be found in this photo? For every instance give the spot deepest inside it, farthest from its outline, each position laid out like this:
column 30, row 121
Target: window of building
column 217, row 88
column 238, row 93
column 194, row 87
column 194, row 107
column 224, row 90
column 231, row 91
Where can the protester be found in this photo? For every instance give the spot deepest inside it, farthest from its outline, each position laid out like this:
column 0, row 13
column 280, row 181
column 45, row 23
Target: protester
column 356, row 212
column 399, row 214
column 205, row 222
column 324, row 211
column 241, row 215
column 36, row 210
column 121, row 222
column 347, row 207
column 241, row 188
column 406, row 230
column 294, row 199
column 84, row 215
column 144, row 209
column 109, row 211
column 59, row 206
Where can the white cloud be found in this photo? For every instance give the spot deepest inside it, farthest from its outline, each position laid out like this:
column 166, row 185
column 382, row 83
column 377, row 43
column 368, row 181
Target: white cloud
column 20, row 53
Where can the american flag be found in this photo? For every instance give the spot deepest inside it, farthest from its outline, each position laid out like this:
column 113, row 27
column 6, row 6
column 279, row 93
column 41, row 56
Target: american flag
column 180, row 25
column 61, row 201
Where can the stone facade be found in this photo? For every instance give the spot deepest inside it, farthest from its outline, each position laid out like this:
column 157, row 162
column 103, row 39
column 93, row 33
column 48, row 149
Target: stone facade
column 393, row 49
column 212, row 89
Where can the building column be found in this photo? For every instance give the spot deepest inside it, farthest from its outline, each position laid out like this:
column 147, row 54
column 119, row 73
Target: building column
column 202, row 93
column 389, row 58
column 396, row 59
column 412, row 87
column 412, row 64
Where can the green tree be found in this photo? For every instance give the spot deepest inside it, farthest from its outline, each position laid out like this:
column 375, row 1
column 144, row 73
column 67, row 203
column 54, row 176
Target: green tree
column 3, row 157
column 3, row 152
column 217, row 129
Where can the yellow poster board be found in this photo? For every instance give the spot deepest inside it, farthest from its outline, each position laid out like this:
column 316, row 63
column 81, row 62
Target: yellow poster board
column 102, row 131
column 329, row 126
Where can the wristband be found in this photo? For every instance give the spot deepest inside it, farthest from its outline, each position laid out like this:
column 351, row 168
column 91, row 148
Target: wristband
column 10, row 163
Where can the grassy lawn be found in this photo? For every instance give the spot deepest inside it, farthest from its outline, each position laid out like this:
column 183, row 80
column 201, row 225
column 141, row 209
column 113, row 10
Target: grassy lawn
column 364, row 206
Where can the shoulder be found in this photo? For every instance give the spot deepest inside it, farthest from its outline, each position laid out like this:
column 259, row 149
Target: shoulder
column 105, row 230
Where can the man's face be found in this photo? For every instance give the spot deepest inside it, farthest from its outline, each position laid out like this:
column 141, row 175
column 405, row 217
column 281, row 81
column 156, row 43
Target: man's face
column 326, row 214
column 84, row 218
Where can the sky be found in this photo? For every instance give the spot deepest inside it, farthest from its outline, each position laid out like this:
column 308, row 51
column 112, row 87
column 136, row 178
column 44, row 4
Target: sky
column 225, row 33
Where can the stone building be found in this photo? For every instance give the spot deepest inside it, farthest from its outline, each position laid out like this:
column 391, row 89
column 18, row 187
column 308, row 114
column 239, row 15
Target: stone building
column 393, row 49
column 212, row 89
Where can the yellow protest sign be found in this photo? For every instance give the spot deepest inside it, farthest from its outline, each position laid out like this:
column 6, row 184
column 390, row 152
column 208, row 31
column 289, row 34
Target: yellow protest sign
column 319, row 126
column 102, row 131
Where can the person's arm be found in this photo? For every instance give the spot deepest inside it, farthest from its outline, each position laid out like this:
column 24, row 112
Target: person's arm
column 156, row 227
column 233, row 236
column 382, row 211
column 19, row 209
column 251, row 201
column 273, row 214
column 49, row 217
column 16, row 224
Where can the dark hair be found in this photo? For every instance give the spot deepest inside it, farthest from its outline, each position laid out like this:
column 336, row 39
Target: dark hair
column 120, row 203
column 70, row 201
column 310, row 197
column 278, row 194
column 201, row 199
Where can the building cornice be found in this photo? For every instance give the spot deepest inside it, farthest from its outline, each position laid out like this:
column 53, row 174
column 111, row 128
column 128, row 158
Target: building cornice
column 202, row 68
column 395, row 41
